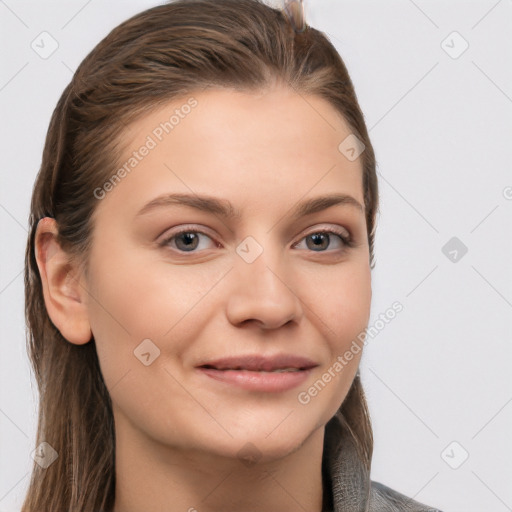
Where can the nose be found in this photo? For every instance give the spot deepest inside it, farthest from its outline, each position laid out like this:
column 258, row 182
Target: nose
column 263, row 293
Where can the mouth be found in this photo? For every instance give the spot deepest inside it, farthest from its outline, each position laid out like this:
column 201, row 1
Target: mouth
column 238, row 368
column 257, row 373
column 258, row 362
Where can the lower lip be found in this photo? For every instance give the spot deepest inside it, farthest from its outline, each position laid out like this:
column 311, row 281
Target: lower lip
column 259, row 381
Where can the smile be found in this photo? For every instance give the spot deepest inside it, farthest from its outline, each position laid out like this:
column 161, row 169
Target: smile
column 273, row 381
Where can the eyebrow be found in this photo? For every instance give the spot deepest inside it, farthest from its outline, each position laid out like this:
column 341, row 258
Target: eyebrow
column 224, row 208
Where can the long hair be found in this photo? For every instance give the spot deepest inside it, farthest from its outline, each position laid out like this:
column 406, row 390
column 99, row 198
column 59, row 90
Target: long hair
column 152, row 58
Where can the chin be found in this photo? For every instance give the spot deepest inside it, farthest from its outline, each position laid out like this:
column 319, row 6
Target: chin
column 262, row 443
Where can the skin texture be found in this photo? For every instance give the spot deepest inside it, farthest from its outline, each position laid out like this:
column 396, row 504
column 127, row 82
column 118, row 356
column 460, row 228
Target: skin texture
column 178, row 432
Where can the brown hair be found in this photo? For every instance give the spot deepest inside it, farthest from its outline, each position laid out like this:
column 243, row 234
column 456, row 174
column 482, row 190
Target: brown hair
column 150, row 59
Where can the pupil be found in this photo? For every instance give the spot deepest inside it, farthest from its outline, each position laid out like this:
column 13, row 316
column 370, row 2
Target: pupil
column 317, row 240
column 189, row 238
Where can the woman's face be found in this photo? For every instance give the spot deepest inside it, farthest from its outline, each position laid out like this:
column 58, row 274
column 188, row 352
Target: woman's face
column 262, row 282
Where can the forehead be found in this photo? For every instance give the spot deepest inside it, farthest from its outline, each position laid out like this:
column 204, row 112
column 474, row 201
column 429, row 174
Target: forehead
column 249, row 147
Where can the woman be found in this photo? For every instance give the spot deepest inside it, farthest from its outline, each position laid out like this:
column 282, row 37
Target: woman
column 198, row 272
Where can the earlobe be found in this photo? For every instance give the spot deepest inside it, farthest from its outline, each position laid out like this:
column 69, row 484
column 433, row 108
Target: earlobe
column 64, row 294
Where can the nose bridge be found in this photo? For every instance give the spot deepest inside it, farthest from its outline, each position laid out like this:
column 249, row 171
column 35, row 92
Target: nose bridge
column 260, row 289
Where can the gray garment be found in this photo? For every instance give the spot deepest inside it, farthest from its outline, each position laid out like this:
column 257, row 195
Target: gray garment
column 347, row 484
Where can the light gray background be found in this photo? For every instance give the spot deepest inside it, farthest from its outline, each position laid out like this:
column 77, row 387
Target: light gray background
column 441, row 126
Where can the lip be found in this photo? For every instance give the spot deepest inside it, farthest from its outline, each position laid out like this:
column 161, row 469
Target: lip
column 255, row 362
column 259, row 380
column 252, row 372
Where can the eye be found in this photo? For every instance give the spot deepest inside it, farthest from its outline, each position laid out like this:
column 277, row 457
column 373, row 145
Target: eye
column 189, row 240
column 321, row 239
column 186, row 240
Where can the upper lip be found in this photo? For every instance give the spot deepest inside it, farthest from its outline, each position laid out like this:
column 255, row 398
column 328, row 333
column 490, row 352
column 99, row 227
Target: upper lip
column 257, row 362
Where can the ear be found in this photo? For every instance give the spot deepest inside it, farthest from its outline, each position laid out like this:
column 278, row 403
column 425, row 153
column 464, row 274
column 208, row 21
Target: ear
column 63, row 287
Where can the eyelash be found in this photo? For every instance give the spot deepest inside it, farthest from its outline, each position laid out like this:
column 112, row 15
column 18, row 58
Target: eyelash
column 347, row 241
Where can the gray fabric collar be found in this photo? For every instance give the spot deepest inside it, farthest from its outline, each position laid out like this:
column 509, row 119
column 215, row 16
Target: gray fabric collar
column 346, row 480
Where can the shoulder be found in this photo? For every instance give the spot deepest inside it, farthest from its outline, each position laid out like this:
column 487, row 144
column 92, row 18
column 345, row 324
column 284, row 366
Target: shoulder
column 385, row 499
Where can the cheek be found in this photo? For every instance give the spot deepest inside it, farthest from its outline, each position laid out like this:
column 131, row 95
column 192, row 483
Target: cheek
column 134, row 298
column 347, row 305
column 340, row 311
column 344, row 304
